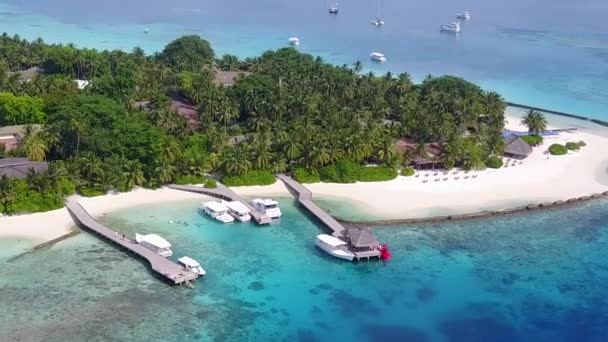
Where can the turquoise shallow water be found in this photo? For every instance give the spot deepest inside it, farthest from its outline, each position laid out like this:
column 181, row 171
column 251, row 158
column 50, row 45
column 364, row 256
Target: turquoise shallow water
column 549, row 53
column 515, row 278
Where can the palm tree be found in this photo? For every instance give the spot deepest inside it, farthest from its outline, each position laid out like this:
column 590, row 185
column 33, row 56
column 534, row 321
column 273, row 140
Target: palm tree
column 134, row 174
column 235, row 162
column 535, row 121
column 36, row 148
column 165, row 172
column 77, row 127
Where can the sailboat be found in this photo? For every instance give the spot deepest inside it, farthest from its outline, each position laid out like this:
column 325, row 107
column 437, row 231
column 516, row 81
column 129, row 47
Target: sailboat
column 378, row 22
column 333, row 8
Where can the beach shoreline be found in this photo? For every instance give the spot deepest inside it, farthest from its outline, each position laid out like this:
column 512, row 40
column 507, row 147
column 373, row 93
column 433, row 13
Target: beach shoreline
column 537, row 182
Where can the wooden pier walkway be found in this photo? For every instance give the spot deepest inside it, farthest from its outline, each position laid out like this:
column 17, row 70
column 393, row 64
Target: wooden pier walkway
column 222, row 192
column 167, row 269
column 305, row 199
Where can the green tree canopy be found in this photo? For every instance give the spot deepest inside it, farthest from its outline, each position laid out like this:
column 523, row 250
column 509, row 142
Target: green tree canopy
column 188, row 53
column 21, row 110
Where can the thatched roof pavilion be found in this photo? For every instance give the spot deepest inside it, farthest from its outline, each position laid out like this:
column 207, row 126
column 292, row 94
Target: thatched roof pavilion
column 19, row 167
column 516, row 147
column 361, row 238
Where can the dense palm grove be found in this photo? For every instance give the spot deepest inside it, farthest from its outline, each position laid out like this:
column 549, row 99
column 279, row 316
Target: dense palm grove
column 290, row 110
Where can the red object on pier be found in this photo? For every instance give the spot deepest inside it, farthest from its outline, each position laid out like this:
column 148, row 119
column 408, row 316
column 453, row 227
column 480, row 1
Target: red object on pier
column 385, row 254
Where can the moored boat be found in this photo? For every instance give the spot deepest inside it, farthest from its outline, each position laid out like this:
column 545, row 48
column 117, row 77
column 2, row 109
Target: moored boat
column 192, row 265
column 452, row 27
column 334, row 247
column 155, row 243
column 294, row 41
column 464, row 15
column 377, row 56
column 267, row 207
column 217, row 211
column 333, row 8
column 238, row 210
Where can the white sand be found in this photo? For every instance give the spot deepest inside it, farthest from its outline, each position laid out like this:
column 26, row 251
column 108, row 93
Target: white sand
column 536, row 180
column 42, row 227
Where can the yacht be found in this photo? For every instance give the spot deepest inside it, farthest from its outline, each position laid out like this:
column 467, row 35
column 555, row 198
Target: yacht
column 452, row 27
column 267, row 207
column 333, row 8
column 377, row 56
column 294, row 41
column 238, row 210
column 192, row 265
column 334, row 246
column 146, row 30
column 155, row 243
column 378, row 22
column 464, row 15
column 217, row 211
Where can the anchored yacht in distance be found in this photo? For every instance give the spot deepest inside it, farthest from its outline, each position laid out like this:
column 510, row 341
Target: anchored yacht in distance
column 377, row 56
column 464, row 15
column 452, row 27
column 294, row 41
column 333, row 8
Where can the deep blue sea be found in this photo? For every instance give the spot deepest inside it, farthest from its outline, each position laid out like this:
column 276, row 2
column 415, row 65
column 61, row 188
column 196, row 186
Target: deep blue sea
column 518, row 278
column 549, row 53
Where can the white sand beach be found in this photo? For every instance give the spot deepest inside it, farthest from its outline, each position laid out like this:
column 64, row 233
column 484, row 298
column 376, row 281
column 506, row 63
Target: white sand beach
column 41, row 227
column 539, row 178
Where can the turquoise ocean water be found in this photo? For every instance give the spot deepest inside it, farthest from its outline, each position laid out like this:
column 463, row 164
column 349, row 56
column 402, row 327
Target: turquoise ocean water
column 549, row 53
column 519, row 278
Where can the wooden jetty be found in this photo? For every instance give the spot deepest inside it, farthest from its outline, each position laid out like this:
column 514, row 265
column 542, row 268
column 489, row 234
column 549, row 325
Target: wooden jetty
column 222, row 192
column 168, row 270
column 361, row 251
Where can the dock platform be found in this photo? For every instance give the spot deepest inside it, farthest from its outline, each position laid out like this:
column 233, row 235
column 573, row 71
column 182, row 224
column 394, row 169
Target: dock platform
column 168, row 270
column 223, row 192
column 304, row 197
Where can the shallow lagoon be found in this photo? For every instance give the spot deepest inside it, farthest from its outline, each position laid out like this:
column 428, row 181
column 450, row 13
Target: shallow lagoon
column 515, row 278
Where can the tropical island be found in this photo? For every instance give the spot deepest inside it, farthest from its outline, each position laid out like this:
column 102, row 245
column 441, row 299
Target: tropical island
column 97, row 122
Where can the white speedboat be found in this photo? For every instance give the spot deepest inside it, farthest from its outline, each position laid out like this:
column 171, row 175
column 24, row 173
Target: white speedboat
column 146, row 30
column 217, row 211
column 267, row 207
column 452, row 27
column 192, row 265
column 238, row 210
column 464, row 15
column 155, row 243
column 378, row 22
column 377, row 56
column 334, row 246
column 294, row 41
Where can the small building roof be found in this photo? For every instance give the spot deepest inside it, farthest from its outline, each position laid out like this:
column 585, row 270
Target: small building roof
column 18, row 130
column 330, row 240
column 237, row 140
column 237, row 206
column 216, row 206
column 28, row 74
column 361, row 237
column 19, row 167
column 515, row 145
column 228, row 78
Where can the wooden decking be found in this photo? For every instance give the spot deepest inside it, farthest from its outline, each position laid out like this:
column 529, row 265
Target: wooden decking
column 165, row 268
column 305, row 199
column 222, row 192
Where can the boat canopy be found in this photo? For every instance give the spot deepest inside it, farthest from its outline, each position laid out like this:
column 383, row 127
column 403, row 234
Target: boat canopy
column 266, row 202
column 188, row 261
column 237, row 207
column 377, row 54
column 216, row 206
column 153, row 240
column 330, row 240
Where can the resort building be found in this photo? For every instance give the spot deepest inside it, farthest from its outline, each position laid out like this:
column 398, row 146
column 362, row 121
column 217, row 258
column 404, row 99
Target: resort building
column 516, row 147
column 363, row 243
column 28, row 74
column 180, row 105
column 431, row 159
column 228, row 78
column 12, row 136
column 19, row 167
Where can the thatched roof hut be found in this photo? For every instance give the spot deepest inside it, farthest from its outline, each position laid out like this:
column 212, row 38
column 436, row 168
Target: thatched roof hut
column 228, row 78
column 361, row 238
column 19, row 167
column 516, row 147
